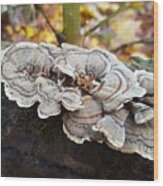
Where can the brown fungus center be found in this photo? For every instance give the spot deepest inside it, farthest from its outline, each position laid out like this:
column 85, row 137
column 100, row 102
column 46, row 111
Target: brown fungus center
column 84, row 82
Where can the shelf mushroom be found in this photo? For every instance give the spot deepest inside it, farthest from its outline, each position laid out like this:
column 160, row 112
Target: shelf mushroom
column 101, row 99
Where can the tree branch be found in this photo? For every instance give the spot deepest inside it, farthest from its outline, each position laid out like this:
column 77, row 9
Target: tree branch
column 104, row 21
column 59, row 36
column 146, row 41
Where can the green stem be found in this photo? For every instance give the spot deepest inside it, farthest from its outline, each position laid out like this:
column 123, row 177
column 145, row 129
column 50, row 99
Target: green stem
column 71, row 22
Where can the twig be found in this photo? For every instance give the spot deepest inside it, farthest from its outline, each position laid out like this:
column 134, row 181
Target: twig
column 59, row 36
column 104, row 21
column 146, row 41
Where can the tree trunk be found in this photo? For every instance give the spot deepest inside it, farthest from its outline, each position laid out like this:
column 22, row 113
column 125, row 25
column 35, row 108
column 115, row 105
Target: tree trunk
column 71, row 22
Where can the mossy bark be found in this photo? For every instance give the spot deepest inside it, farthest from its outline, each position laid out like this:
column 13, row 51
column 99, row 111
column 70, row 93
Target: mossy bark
column 71, row 22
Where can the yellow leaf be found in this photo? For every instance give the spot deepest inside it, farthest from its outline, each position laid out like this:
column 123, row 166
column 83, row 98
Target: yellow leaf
column 107, row 8
column 49, row 37
column 86, row 14
column 94, row 42
column 17, row 28
column 30, row 31
column 136, row 5
column 9, row 29
column 22, row 32
column 45, row 35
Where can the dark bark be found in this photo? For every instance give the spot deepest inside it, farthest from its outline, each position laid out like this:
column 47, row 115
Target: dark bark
column 32, row 147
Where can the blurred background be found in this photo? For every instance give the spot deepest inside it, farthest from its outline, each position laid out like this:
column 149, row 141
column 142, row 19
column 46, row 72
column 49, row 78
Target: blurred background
column 125, row 31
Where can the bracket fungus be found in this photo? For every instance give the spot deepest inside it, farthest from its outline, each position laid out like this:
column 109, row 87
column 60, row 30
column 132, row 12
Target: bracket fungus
column 101, row 99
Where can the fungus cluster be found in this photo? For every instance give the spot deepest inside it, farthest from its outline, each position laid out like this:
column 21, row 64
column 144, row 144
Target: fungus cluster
column 100, row 98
